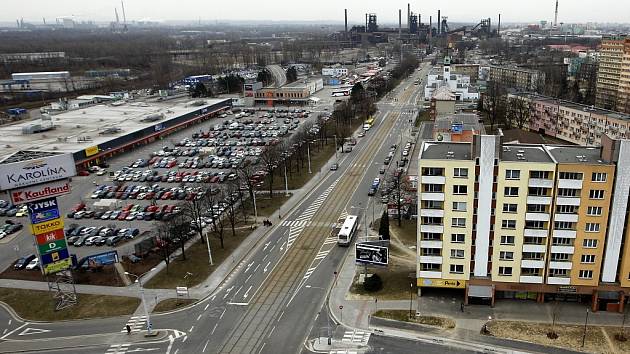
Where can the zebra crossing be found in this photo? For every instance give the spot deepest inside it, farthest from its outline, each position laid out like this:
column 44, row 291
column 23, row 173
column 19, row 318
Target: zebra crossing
column 322, row 254
column 295, row 223
column 356, row 337
column 117, row 349
column 330, row 240
column 137, row 324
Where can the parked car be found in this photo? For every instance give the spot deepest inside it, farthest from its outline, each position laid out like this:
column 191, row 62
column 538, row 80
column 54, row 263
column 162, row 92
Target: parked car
column 33, row 264
column 22, row 262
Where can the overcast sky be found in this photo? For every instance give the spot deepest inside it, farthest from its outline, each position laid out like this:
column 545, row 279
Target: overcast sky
column 326, row 10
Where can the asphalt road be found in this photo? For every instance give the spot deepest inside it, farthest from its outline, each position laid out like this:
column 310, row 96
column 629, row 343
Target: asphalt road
column 269, row 303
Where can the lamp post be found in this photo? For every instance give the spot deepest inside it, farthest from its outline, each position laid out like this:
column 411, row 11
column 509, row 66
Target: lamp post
column 144, row 303
column 410, row 299
column 308, row 155
column 585, row 326
column 336, row 157
column 286, row 181
column 255, row 209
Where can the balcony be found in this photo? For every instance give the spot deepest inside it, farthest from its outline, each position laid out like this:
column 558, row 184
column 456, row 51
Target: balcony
column 429, row 274
column 559, row 280
column 431, row 259
column 531, row 279
column 560, row 265
column 430, row 244
column 541, row 183
column 433, row 179
column 564, row 233
column 568, row 201
column 566, row 217
column 438, row 197
column 563, row 249
column 434, row 229
column 534, row 248
column 538, row 200
column 530, row 263
column 435, row 213
column 537, row 217
column 535, row 232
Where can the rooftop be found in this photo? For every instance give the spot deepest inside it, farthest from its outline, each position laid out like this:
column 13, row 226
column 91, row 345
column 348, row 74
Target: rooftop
column 525, row 153
column 576, row 154
column 446, row 151
column 82, row 128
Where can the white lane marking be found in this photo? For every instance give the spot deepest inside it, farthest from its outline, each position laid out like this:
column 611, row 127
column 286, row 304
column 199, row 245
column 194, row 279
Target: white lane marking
column 215, row 328
column 191, row 328
column 246, row 280
column 247, row 292
column 205, row 346
column 206, row 308
column 249, row 266
column 261, row 348
column 266, row 245
column 266, row 267
column 198, row 317
column 222, row 313
column 237, row 291
column 271, row 332
column 183, row 341
column 15, row 330
column 255, row 269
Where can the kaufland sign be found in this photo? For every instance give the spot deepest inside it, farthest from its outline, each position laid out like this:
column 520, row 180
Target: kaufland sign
column 26, row 173
column 39, row 192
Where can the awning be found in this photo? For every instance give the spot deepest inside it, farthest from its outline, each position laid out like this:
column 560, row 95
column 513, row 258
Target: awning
column 482, row 291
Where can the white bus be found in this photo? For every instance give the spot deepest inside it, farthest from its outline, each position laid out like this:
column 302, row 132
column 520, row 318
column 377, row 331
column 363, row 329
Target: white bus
column 348, row 229
column 341, row 92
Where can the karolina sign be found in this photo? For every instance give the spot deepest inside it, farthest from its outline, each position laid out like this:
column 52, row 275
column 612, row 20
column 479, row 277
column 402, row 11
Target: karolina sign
column 26, row 173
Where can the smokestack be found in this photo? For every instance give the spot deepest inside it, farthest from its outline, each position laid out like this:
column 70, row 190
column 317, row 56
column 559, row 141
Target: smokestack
column 116, row 12
column 366, row 22
column 555, row 20
column 345, row 14
column 123, row 8
column 44, row 19
column 439, row 23
column 499, row 27
column 399, row 23
column 408, row 16
column 430, row 26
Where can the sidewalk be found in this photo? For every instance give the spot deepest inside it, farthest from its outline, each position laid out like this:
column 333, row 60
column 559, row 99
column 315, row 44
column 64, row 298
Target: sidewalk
column 356, row 314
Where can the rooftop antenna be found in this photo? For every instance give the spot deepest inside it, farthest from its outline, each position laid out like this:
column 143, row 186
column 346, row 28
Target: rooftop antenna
column 555, row 21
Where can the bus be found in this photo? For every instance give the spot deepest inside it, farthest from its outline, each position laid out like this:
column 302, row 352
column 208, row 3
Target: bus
column 340, row 92
column 368, row 123
column 348, row 229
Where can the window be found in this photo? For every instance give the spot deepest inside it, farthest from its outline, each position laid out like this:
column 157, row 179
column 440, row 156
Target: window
column 539, row 174
column 562, row 241
column 586, row 274
column 460, row 189
column 458, row 238
column 560, row 257
column 459, row 206
column 589, row 243
column 533, row 256
column 563, row 225
column 458, row 222
column 508, row 224
column 596, row 194
column 460, row 173
column 505, row 271
column 506, row 256
column 588, row 258
column 594, row 211
column 507, row 240
column 457, row 269
column 536, row 208
column 591, row 227
column 599, row 177
column 511, row 191
column 570, row 175
column 433, row 188
column 430, row 236
column 568, row 192
column 457, row 253
column 512, row 174
column 554, row 272
column 510, row 208
column 538, row 191
column 566, row 209
column 536, row 225
column 432, row 171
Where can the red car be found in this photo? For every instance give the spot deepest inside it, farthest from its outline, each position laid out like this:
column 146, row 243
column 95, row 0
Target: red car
column 123, row 215
column 78, row 207
column 171, row 164
column 84, row 173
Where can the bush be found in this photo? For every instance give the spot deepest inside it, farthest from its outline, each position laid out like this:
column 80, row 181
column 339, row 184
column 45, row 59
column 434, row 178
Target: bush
column 373, row 283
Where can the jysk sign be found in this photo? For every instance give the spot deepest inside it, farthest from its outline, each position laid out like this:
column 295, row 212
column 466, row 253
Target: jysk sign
column 26, row 173
column 43, row 210
column 40, row 191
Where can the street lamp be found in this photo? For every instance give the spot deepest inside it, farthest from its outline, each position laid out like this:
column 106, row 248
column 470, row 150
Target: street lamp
column 336, row 157
column 410, row 299
column 308, row 155
column 144, row 303
column 585, row 326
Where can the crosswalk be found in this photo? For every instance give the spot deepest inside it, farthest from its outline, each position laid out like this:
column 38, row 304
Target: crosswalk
column 137, row 324
column 356, row 337
column 117, row 349
column 295, row 223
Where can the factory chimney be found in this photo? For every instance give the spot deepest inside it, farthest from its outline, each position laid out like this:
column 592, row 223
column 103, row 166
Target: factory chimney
column 123, row 9
column 409, row 16
column 430, row 26
column 399, row 23
column 366, row 22
column 439, row 23
column 345, row 15
column 555, row 20
column 499, row 27
column 116, row 12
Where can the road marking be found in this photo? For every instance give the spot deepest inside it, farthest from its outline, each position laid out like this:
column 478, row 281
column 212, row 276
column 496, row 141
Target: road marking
column 246, row 280
column 238, row 303
column 281, row 314
column 142, row 350
column 214, row 329
column 261, row 348
column 183, row 341
column 222, row 313
column 10, row 321
column 266, row 245
column 206, row 308
column 267, row 266
column 267, row 255
column 227, row 292
column 247, row 292
column 237, row 291
column 273, row 329
column 191, row 328
column 15, row 330
column 255, row 269
column 205, row 346
column 249, row 266
column 27, row 331
column 198, row 317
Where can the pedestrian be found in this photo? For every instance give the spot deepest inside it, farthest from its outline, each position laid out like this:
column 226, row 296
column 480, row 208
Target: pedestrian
column 128, row 327
column 461, row 306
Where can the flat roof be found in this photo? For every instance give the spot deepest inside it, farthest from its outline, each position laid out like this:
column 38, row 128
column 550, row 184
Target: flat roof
column 577, row 154
column 525, row 153
column 446, row 151
column 73, row 127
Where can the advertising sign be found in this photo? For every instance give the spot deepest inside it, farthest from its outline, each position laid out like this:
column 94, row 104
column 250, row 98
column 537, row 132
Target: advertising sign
column 50, row 236
column 102, row 259
column 441, row 283
column 57, row 266
column 92, row 150
column 43, row 210
column 53, row 246
column 371, row 254
column 39, row 192
column 26, row 173
column 48, row 226
column 55, row 256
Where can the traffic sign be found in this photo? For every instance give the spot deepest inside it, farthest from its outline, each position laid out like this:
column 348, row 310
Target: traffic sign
column 47, row 226
column 50, row 236
column 55, row 256
column 441, row 283
column 57, row 266
column 52, row 246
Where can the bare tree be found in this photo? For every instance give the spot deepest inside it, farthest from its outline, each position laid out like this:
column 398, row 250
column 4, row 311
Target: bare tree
column 494, row 103
column 218, row 223
column 193, row 210
column 178, row 228
column 517, row 112
column 270, row 157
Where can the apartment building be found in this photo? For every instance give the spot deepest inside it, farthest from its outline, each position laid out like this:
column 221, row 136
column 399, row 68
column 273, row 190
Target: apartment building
column 525, row 221
column 517, row 78
column 573, row 122
column 623, row 93
column 609, row 71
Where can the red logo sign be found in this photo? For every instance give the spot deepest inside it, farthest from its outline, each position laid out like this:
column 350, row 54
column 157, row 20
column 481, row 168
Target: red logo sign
column 38, row 192
column 51, row 236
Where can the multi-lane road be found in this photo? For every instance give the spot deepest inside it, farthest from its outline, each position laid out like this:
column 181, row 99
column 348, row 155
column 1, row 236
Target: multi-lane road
column 270, row 302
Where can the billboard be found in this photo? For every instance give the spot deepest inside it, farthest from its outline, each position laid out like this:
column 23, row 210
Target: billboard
column 39, row 192
column 92, row 150
column 102, row 259
column 371, row 254
column 50, row 240
column 43, row 210
column 26, row 173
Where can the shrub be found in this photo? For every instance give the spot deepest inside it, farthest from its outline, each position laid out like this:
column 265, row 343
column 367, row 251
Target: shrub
column 373, row 283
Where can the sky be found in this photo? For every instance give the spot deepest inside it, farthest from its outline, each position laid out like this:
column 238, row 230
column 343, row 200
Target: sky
column 327, row 11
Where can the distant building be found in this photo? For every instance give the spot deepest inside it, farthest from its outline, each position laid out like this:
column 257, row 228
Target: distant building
column 470, row 70
column 609, row 73
column 41, row 56
column 461, row 127
column 442, row 102
column 518, row 78
column 458, row 84
column 335, row 71
column 298, row 92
